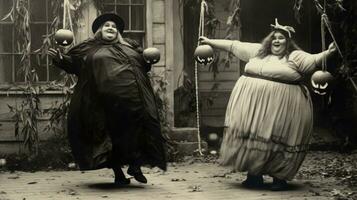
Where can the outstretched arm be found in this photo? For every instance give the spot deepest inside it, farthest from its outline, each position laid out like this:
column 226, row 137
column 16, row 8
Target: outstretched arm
column 325, row 54
column 63, row 61
column 306, row 62
column 242, row 50
column 217, row 43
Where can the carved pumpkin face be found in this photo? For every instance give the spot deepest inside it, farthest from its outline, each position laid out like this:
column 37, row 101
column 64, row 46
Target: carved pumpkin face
column 320, row 81
column 204, row 54
column 64, row 37
column 151, row 55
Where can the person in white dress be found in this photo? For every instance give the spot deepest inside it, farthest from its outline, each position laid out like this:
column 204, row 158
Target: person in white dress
column 269, row 117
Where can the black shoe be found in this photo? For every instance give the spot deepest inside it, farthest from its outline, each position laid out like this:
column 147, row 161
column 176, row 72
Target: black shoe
column 120, row 178
column 121, row 181
column 138, row 175
column 279, row 185
column 253, row 181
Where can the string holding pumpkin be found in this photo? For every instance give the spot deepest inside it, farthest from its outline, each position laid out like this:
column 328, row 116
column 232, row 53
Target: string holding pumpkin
column 204, row 55
column 321, row 79
column 65, row 37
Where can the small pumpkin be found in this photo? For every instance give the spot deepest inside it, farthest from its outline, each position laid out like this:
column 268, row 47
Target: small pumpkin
column 213, row 137
column 151, row 55
column 204, row 54
column 64, row 37
column 2, row 162
column 320, row 81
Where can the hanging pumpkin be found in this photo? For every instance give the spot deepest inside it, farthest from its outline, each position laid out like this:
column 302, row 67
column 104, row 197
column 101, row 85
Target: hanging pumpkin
column 320, row 81
column 64, row 37
column 204, row 54
column 151, row 55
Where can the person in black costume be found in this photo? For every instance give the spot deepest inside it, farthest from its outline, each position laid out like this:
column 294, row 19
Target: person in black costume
column 113, row 118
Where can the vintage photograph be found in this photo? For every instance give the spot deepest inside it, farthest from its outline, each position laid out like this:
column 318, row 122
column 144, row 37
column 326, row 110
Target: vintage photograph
column 178, row 99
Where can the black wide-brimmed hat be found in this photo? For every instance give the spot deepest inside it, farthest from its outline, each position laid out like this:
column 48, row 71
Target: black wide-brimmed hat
column 101, row 19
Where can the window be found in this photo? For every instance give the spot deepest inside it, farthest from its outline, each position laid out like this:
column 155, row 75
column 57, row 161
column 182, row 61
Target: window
column 40, row 20
column 41, row 17
column 133, row 13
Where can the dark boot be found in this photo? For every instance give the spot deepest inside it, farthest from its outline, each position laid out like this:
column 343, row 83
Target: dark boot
column 135, row 171
column 253, row 181
column 120, row 178
column 279, row 185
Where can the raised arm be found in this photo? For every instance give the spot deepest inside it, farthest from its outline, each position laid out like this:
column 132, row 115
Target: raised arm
column 325, row 54
column 306, row 62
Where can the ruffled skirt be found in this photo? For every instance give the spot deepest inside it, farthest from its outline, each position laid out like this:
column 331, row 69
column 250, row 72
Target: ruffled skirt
column 268, row 128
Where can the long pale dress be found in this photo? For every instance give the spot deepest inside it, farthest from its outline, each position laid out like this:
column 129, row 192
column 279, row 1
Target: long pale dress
column 269, row 123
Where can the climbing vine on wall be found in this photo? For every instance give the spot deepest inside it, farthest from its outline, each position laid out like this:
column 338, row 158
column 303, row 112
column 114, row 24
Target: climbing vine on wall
column 28, row 112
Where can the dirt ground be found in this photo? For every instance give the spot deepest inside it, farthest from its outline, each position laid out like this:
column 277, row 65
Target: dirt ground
column 324, row 175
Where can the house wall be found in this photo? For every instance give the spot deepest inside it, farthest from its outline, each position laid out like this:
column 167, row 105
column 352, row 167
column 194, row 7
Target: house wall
column 159, row 34
column 219, row 88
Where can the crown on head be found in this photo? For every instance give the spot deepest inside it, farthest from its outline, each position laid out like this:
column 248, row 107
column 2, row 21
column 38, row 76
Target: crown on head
column 287, row 29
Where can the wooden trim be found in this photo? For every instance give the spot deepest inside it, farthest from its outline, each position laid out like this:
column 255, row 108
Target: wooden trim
column 169, row 57
column 148, row 38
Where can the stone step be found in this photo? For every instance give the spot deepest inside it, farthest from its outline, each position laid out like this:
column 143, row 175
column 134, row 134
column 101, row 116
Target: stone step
column 184, row 134
column 186, row 141
column 189, row 148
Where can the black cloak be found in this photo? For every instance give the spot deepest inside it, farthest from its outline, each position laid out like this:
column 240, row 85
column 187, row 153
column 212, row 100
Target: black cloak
column 113, row 118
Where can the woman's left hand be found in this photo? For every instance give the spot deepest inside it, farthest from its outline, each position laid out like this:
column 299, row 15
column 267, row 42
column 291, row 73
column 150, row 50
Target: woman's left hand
column 332, row 48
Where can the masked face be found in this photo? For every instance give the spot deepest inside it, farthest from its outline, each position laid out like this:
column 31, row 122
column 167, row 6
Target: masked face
column 278, row 44
column 109, row 31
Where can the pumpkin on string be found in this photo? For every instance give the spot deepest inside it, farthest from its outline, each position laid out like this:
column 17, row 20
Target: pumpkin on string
column 204, row 54
column 63, row 37
column 151, row 55
column 320, row 81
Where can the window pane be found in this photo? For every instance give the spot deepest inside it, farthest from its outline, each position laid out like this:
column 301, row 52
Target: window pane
column 137, row 1
column 109, row 9
column 5, row 69
column 122, row 1
column 19, row 75
column 108, row 1
column 38, row 10
column 40, row 67
column 139, row 37
column 54, row 9
column 5, row 8
column 55, row 73
column 37, row 33
column 6, row 38
column 137, row 17
column 123, row 11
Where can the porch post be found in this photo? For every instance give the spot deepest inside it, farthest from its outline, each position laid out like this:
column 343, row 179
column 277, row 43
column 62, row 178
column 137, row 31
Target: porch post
column 169, row 38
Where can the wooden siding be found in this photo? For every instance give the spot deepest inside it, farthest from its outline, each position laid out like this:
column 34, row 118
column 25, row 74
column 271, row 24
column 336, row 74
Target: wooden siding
column 8, row 142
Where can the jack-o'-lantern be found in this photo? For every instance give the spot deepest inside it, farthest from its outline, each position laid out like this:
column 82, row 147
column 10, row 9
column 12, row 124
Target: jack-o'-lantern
column 204, row 54
column 320, row 81
column 64, row 37
column 151, row 55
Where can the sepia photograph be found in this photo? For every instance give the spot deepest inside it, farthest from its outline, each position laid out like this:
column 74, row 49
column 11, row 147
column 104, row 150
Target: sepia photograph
column 178, row 99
